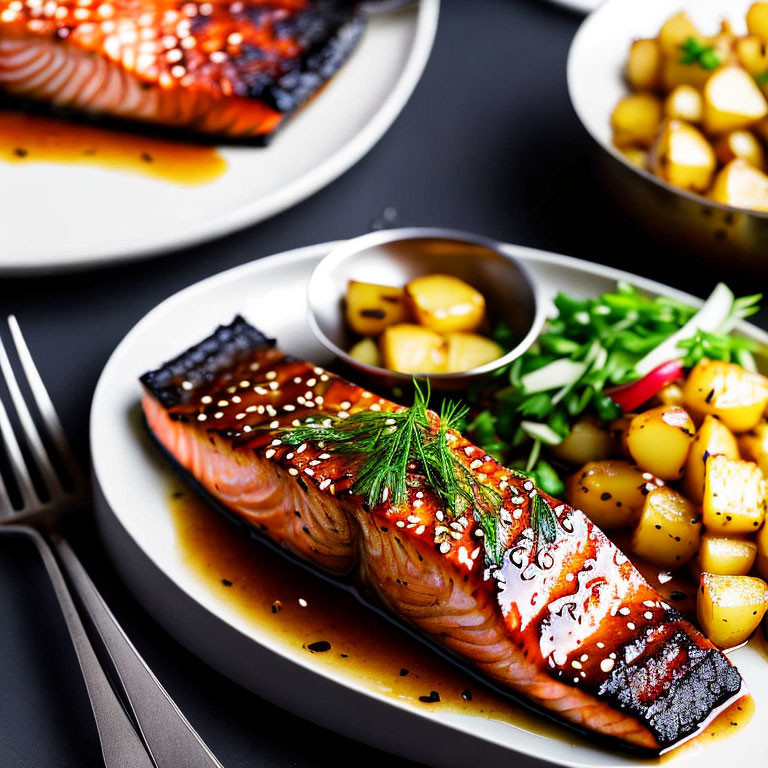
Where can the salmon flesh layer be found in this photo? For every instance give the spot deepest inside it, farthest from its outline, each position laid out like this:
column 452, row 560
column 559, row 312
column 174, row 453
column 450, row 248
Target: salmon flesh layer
column 569, row 624
column 234, row 68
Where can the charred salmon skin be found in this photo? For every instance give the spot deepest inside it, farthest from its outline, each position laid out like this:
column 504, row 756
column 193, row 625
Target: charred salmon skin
column 567, row 623
column 232, row 68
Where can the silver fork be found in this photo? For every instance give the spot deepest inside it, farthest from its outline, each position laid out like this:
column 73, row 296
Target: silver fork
column 153, row 733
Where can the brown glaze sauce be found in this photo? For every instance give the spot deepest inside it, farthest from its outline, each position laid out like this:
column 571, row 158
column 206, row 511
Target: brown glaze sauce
column 30, row 137
column 348, row 639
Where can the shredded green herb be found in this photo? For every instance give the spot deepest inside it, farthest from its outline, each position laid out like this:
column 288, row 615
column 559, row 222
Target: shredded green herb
column 389, row 446
column 589, row 346
column 695, row 52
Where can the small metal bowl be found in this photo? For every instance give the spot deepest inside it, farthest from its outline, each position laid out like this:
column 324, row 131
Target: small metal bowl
column 394, row 257
column 697, row 226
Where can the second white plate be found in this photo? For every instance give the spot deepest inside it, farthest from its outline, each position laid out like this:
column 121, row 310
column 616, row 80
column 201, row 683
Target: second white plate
column 133, row 484
column 61, row 216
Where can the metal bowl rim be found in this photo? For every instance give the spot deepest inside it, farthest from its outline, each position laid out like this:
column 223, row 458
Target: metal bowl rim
column 372, row 239
column 576, row 43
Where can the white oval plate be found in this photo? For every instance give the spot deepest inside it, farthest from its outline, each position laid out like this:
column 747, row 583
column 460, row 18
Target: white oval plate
column 131, row 483
column 600, row 48
column 57, row 217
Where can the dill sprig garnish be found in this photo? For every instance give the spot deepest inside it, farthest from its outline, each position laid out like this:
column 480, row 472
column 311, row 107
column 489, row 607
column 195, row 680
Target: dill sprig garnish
column 391, row 445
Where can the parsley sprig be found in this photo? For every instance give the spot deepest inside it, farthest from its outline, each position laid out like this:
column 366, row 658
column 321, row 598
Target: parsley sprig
column 694, row 51
column 392, row 446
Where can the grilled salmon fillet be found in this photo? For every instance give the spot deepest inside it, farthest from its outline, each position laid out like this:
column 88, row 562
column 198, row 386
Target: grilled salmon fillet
column 569, row 625
column 232, row 68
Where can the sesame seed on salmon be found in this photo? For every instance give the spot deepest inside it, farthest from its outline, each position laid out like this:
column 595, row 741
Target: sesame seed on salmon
column 569, row 624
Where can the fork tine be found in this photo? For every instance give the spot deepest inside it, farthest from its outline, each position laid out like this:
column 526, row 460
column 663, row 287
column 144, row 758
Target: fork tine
column 28, row 426
column 45, row 405
column 19, row 467
column 6, row 508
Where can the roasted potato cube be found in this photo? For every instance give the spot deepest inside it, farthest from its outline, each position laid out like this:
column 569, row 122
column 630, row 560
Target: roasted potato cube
column 644, row 65
column 732, row 100
column 726, row 555
column 684, row 103
column 751, row 53
column 742, row 186
column 674, row 73
column 671, row 394
column 712, row 437
column 743, row 145
column 635, row 120
column 370, row 308
column 659, row 440
column 675, row 31
column 730, row 608
column 669, row 529
column 737, row 396
column 754, row 446
column 682, row 156
column 610, row 493
column 762, row 552
column 366, row 351
column 445, row 303
column 411, row 348
column 469, row 350
column 587, row 441
column 757, row 20
column 637, row 156
column 734, row 495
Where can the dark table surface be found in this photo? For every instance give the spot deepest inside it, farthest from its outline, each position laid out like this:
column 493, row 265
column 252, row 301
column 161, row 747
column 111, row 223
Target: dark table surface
column 488, row 143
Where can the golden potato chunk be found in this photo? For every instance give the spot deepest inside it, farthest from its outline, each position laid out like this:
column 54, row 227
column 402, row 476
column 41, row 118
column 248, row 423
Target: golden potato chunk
column 730, row 608
column 734, row 496
column 411, row 348
column 754, row 446
column 762, row 552
column 445, row 303
column 742, row 186
column 366, row 351
column 587, row 441
column 637, row 156
column 682, row 156
column 370, row 307
column 636, row 119
column 743, row 145
column 684, row 103
column 712, row 437
column 659, row 440
column 674, row 33
column 727, row 556
column 468, row 350
column 751, row 53
column 610, row 493
column 644, row 65
column 671, row 394
column 732, row 100
column 674, row 73
column 757, row 20
column 669, row 529
column 737, row 396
